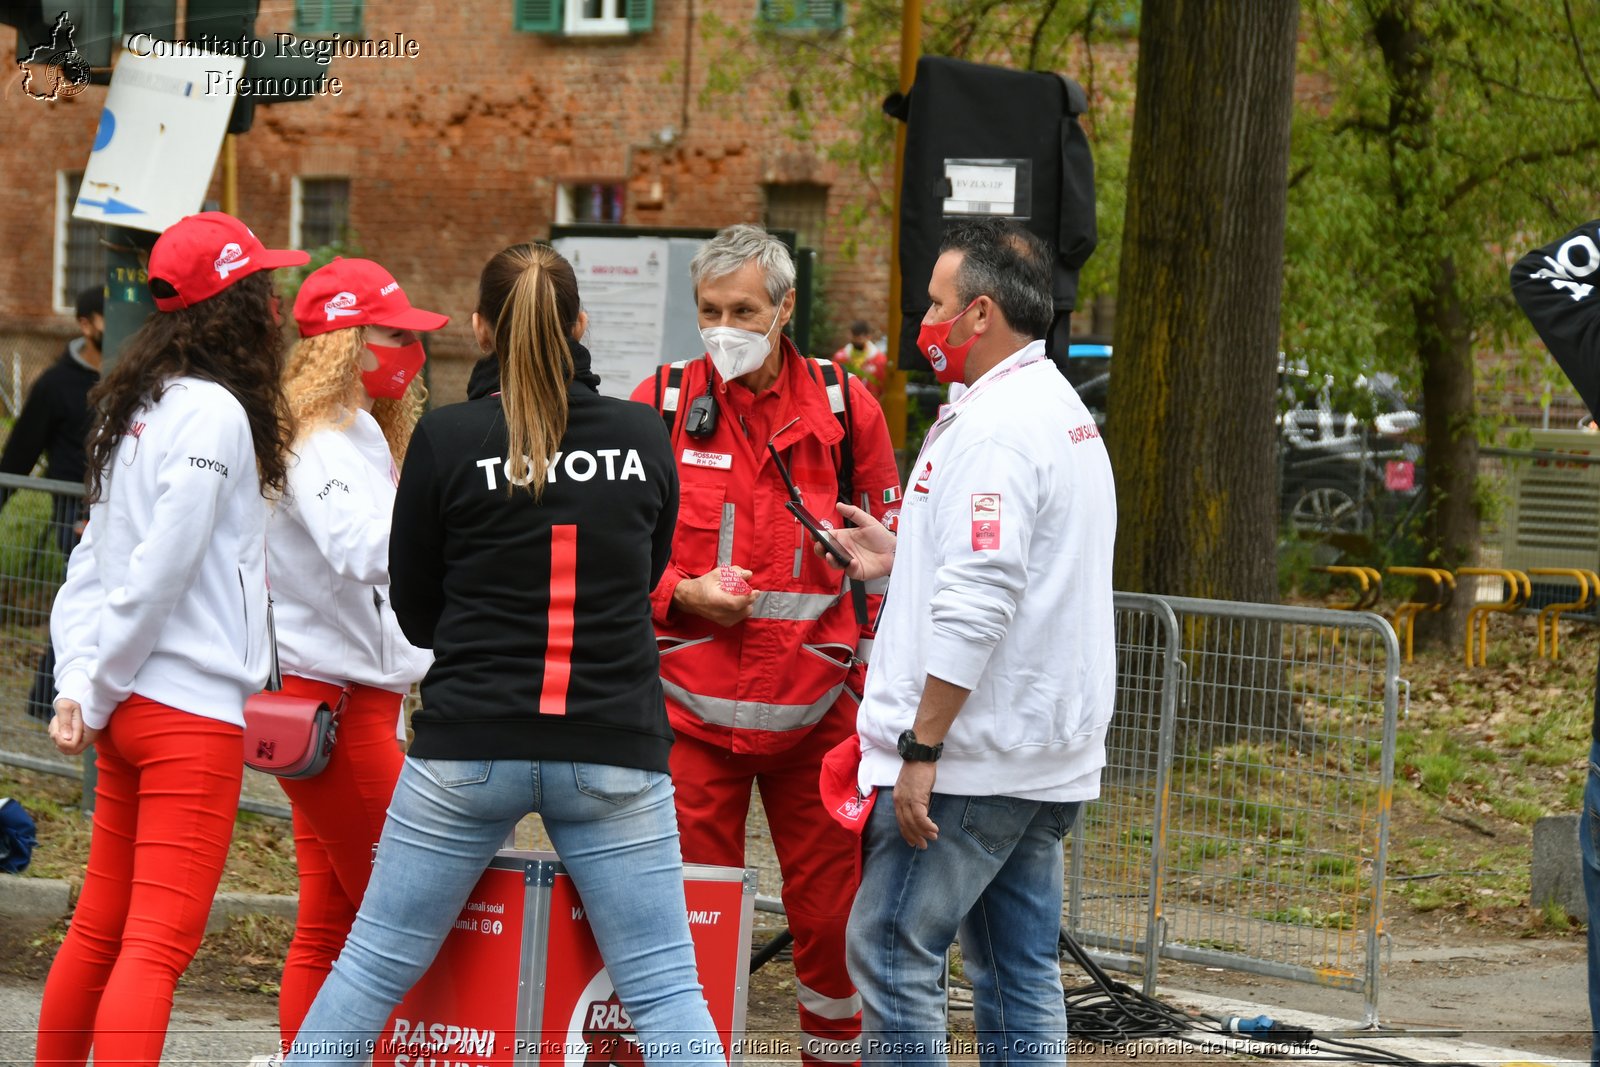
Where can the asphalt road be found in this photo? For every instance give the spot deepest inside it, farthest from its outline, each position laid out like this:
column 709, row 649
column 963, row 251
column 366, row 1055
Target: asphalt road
column 202, row 1032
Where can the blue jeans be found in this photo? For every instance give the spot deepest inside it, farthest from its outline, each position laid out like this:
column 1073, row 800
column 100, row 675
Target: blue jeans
column 1589, row 841
column 995, row 877
column 617, row 836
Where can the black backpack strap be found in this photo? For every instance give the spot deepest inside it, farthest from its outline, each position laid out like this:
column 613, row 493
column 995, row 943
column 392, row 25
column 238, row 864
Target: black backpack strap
column 837, row 385
column 669, row 389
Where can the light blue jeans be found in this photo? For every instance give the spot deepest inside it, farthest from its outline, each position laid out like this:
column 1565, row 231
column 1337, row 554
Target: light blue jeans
column 617, row 836
column 995, row 877
column 1589, row 844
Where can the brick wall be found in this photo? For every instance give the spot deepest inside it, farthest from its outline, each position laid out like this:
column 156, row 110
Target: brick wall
column 460, row 151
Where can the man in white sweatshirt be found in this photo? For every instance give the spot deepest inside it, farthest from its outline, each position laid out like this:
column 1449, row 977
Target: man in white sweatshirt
column 983, row 725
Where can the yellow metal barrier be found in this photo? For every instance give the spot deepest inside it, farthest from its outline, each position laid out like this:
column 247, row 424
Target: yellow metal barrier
column 1519, row 590
column 1588, row 587
column 1369, row 584
column 1405, row 614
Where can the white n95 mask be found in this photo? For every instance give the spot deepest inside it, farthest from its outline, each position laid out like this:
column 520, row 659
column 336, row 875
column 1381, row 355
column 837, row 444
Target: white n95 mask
column 735, row 352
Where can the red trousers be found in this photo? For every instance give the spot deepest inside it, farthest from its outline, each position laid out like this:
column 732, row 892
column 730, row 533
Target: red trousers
column 163, row 819
column 820, row 860
column 338, row 816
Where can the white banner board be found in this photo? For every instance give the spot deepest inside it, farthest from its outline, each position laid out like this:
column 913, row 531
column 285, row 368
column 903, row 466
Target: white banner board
column 622, row 284
column 155, row 149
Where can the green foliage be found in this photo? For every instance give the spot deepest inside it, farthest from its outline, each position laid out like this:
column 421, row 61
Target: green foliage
column 289, row 279
column 1380, row 198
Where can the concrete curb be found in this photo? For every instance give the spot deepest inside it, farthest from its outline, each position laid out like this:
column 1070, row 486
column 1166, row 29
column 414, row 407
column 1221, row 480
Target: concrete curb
column 50, row 899
column 34, row 898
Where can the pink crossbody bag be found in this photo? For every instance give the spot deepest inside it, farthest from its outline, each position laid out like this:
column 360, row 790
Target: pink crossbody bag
column 288, row 736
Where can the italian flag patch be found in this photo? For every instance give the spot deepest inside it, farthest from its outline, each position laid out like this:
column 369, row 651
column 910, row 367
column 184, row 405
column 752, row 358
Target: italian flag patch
column 891, row 495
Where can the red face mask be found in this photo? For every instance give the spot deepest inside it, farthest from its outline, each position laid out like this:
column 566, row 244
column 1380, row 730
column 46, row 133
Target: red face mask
column 396, row 367
column 949, row 362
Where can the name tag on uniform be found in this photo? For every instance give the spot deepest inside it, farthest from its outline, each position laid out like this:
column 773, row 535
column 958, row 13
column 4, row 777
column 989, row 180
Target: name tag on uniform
column 716, row 460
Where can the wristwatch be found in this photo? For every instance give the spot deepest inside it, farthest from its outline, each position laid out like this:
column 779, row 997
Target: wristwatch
column 913, row 751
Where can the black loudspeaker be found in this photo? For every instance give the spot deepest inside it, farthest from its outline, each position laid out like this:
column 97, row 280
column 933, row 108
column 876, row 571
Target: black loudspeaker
column 987, row 141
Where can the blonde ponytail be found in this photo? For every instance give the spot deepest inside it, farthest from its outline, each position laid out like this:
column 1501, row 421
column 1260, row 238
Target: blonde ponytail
column 531, row 331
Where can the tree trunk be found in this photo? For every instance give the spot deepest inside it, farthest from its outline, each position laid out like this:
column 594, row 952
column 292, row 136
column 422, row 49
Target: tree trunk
column 1450, row 457
column 1443, row 338
column 1190, row 420
column 1192, row 400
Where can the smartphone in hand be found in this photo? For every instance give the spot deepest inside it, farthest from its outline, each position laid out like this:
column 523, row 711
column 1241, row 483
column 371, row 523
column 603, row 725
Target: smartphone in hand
column 820, row 535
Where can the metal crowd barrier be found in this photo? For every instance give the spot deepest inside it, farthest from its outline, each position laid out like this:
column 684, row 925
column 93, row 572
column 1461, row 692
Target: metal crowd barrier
column 1281, row 785
column 1115, row 871
column 36, row 535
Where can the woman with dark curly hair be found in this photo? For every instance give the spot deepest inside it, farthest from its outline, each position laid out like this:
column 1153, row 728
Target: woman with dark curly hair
column 160, row 630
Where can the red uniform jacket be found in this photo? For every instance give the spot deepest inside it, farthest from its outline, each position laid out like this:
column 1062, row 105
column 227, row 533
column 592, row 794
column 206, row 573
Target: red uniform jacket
column 760, row 686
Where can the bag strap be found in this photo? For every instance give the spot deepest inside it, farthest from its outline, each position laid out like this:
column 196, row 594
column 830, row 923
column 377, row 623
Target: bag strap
column 669, row 389
column 837, row 385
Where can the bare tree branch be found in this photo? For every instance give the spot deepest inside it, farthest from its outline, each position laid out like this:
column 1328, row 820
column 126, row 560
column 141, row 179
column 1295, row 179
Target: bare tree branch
column 1522, row 159
column 1577, row 48
column 1038, row 33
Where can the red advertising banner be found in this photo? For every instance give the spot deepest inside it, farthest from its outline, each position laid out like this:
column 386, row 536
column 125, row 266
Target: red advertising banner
column 463, row 1011
column 584, row 1024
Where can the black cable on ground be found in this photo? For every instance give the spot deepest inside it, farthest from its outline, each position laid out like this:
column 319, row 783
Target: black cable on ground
column 1110, row 1011
column 765, row 953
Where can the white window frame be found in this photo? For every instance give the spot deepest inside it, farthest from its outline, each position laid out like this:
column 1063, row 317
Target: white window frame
column 58, row 275
column 576, row 25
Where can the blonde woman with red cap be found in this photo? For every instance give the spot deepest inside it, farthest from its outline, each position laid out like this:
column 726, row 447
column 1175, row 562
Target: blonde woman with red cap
column 353, row 389
column 160, row 630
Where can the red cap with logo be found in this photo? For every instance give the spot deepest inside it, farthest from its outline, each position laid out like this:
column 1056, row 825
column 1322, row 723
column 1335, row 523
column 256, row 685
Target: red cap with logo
column 201, row 255
column 838, row 784
column 357, row 292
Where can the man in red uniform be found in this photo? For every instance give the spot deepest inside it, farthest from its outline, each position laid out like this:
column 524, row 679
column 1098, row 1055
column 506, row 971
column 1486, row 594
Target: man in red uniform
column 864, row 359
column 760, row 642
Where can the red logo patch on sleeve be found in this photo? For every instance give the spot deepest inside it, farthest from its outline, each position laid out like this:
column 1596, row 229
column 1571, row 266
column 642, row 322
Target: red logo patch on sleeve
column 985, row 521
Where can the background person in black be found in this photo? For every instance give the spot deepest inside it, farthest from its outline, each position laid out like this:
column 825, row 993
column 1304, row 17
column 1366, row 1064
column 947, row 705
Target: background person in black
column 54, row 422
column 530, row 579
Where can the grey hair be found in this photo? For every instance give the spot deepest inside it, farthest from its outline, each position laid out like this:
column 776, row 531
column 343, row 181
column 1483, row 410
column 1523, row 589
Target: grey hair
column 737, row 245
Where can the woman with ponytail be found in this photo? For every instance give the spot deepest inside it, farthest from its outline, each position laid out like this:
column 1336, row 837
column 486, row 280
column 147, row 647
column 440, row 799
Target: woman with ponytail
column 529, row 527
column 160, row 630
column 354, row 390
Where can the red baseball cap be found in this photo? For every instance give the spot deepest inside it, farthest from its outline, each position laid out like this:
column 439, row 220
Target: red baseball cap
column 840, row 792
column 357, row 292
column 201, row 255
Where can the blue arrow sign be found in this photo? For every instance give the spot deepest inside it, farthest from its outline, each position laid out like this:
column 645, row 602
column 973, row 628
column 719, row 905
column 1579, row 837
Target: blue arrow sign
column 112, row 206
column 107, row 130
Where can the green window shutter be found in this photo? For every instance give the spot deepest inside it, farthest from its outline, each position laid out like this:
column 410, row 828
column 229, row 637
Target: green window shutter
column 344, row 16
column 538, row 16
column 825, row 14
column 313, row 17
column 641, row 14
column 801, row 15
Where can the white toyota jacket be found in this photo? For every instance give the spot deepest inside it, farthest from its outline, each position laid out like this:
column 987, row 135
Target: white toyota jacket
column 1002, row 585
column 328, row 563
column 166, row 594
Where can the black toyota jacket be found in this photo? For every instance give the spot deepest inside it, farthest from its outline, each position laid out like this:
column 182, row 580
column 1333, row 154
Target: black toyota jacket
column 1558, row 287
column 538, row 612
